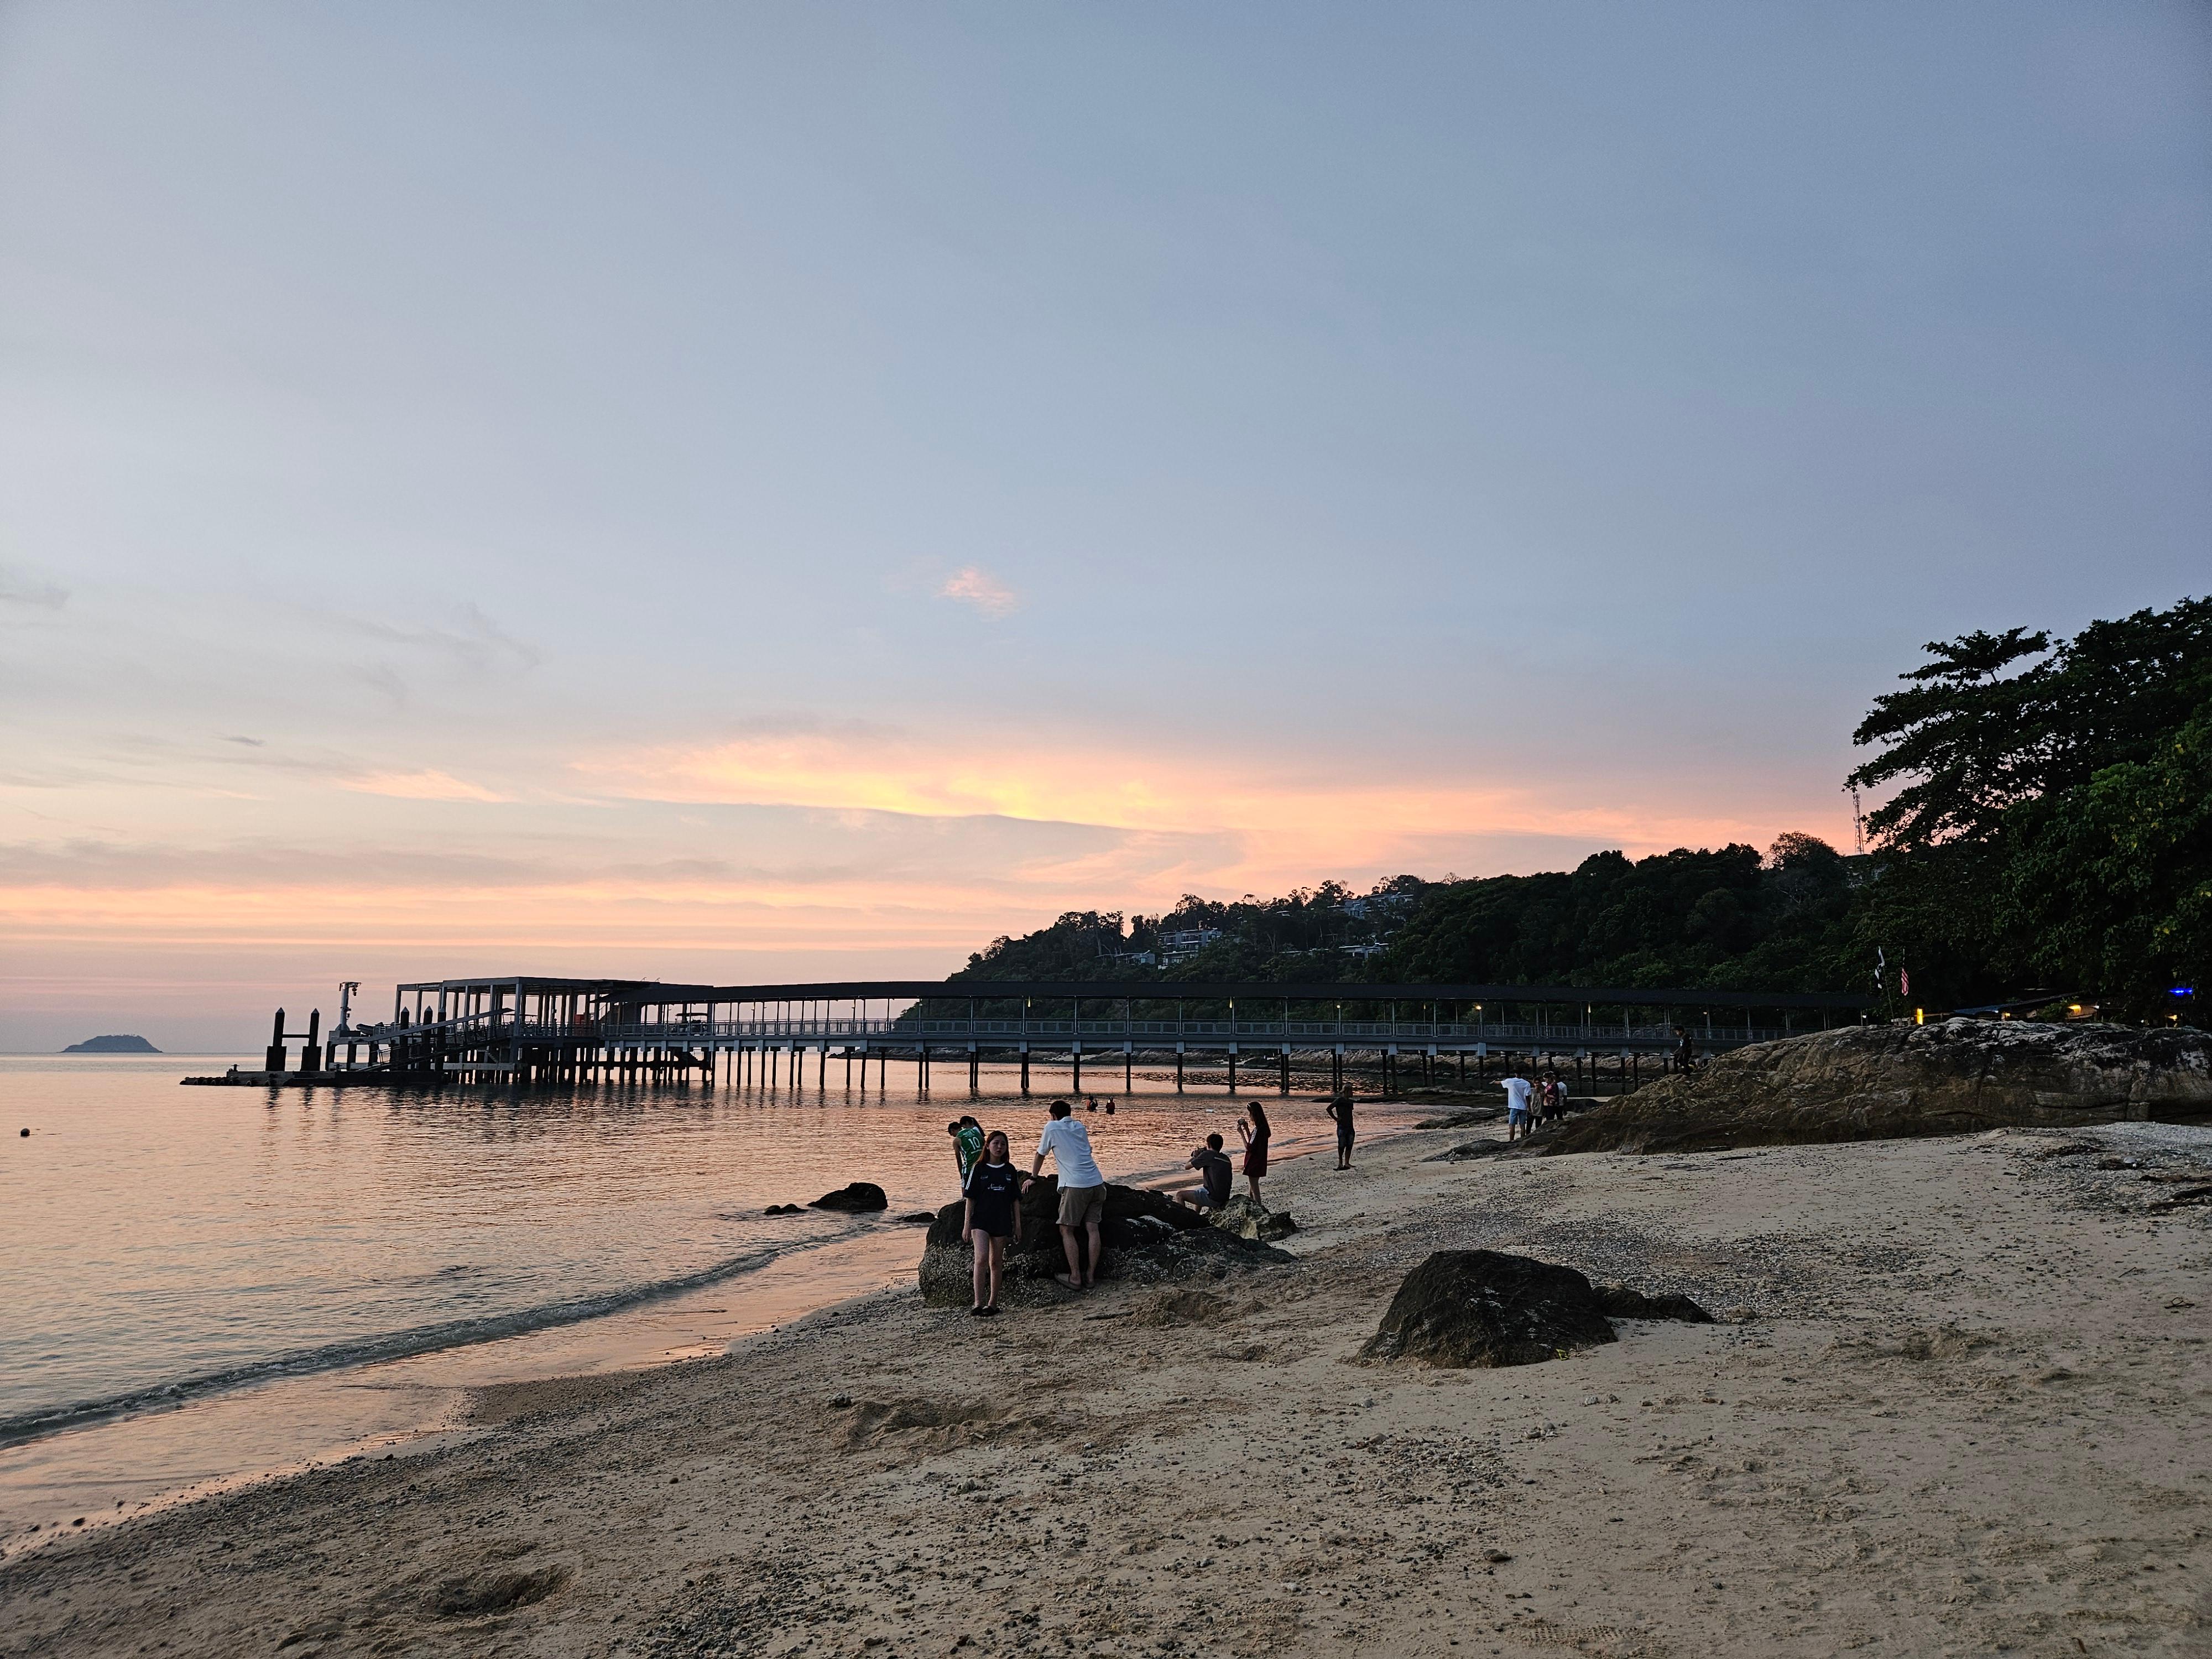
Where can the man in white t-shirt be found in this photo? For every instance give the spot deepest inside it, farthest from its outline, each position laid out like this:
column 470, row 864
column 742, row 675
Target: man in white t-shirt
column 1082, row 1192
column 1517, row 1107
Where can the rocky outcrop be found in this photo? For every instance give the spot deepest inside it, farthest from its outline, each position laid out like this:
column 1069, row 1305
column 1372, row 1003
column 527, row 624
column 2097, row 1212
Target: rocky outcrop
column 1246, row 1219
column 858, row 1199
column 1149, row 1239
column 1875, row 1083
column 1468, row 1308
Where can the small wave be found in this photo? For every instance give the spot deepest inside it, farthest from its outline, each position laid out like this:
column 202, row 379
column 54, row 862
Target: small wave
column 397, row 1345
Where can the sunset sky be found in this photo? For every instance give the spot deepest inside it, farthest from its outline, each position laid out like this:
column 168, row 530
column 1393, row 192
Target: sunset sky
column 729, row 492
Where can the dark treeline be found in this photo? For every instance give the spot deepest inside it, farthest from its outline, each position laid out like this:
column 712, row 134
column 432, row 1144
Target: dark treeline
column 2051, row 828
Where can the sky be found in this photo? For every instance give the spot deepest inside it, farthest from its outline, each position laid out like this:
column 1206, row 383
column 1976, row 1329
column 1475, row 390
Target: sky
column 723, row 492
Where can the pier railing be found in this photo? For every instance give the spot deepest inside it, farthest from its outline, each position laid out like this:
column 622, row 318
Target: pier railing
column 1093, row 1036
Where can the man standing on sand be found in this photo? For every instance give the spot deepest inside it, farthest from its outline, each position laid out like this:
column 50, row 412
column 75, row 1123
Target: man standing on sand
column 1517, row 1107
column 1082, row 1192
column 1340, row 1109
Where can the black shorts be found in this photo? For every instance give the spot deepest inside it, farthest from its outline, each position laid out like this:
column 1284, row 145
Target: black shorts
column 1344, row 1137
column 999, row 1226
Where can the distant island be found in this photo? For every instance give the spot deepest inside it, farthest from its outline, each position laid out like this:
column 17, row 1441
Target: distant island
column 112, row 1045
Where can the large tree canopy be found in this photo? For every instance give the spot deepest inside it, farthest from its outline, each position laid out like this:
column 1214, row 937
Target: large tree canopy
column 2053, row 820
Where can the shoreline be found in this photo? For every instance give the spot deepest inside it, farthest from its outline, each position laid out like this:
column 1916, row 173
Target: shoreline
column 311, row 1417
column 1954, row 1401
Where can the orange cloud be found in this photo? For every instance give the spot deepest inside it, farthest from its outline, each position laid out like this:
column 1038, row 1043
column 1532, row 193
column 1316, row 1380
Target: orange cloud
column 419, row 786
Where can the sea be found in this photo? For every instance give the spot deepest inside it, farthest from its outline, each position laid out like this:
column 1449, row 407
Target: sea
column 209, row 1286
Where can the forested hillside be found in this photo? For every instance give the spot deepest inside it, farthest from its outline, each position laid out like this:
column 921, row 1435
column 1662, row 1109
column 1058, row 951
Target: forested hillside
column 2051, row 827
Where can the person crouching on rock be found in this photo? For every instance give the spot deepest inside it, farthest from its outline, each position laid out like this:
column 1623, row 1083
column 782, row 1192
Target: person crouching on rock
column 1215, row 1177
column 1082, row 1192
column 1256, row 1134
column 994, row 1192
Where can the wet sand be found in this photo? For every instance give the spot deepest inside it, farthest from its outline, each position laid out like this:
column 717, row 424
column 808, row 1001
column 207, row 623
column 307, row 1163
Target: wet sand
column 1957, row 1405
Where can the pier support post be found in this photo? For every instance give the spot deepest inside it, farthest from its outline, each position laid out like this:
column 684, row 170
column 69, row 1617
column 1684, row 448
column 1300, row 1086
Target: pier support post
column 1233, row 1069
column 1025, row 1069
column 975, row 1070
column 1285, row 1088
column 1129, row 1069
column 1178, row 1069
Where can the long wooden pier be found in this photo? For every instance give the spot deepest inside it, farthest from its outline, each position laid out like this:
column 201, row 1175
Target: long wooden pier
column 527, row 1029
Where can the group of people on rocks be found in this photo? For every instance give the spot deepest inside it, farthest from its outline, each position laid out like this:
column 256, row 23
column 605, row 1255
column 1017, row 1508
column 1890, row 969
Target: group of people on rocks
column 992, row 1185
column 991, row 1189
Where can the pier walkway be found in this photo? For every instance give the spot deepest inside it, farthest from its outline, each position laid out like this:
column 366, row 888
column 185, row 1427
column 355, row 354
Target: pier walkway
column 528, row 1029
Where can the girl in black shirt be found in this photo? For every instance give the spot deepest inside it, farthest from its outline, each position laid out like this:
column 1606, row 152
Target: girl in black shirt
column 994, row 1192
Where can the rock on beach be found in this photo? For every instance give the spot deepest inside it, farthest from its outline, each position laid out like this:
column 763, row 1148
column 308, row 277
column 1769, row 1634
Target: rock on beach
column 1482, row 1307
column 1884, row 1082
column 860, row 1198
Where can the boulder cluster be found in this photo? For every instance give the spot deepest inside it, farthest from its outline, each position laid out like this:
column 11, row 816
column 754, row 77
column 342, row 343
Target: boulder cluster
column 1881, row 1082
column 1149, row 1238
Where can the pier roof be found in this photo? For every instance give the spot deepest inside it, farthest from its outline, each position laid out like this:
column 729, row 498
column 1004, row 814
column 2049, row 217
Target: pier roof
column 654, row 992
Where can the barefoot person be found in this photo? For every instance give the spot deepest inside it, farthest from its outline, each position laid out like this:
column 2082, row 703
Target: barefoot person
column 1082, row 1192
column 1256, row 1134
column 1517, row 1091
column 1340, row 1108
column 994, row 1192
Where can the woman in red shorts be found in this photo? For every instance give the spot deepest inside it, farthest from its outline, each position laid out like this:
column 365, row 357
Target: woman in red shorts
column 1254, row 1135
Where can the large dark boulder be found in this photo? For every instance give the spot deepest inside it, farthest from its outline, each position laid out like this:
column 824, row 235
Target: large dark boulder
column 1462, row 1308
column 1882, row 1082
column 858, row 1199
column 1149, row 1238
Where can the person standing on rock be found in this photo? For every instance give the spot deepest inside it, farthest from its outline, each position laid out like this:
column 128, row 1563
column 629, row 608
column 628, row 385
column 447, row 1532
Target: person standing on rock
column 1340, row 1109
column 967, row 1146
column 994, row 1192
column 1256, row 1134
column 1517, row 1125
column 1215, row 1177
column 1082, row 1192
column 1686, row 1052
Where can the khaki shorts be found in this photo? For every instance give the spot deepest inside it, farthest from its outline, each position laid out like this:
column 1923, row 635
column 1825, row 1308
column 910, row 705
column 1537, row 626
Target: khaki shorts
column 1081, row 1206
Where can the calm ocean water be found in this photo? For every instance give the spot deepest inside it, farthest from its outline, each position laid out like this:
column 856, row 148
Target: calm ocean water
column 161, row 1244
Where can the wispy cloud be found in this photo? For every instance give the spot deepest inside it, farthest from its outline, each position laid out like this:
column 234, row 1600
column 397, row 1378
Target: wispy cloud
column 419, row 786
column 974, row 586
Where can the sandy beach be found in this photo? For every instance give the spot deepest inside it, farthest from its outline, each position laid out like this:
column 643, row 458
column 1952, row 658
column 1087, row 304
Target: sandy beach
column 1954, row 1404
